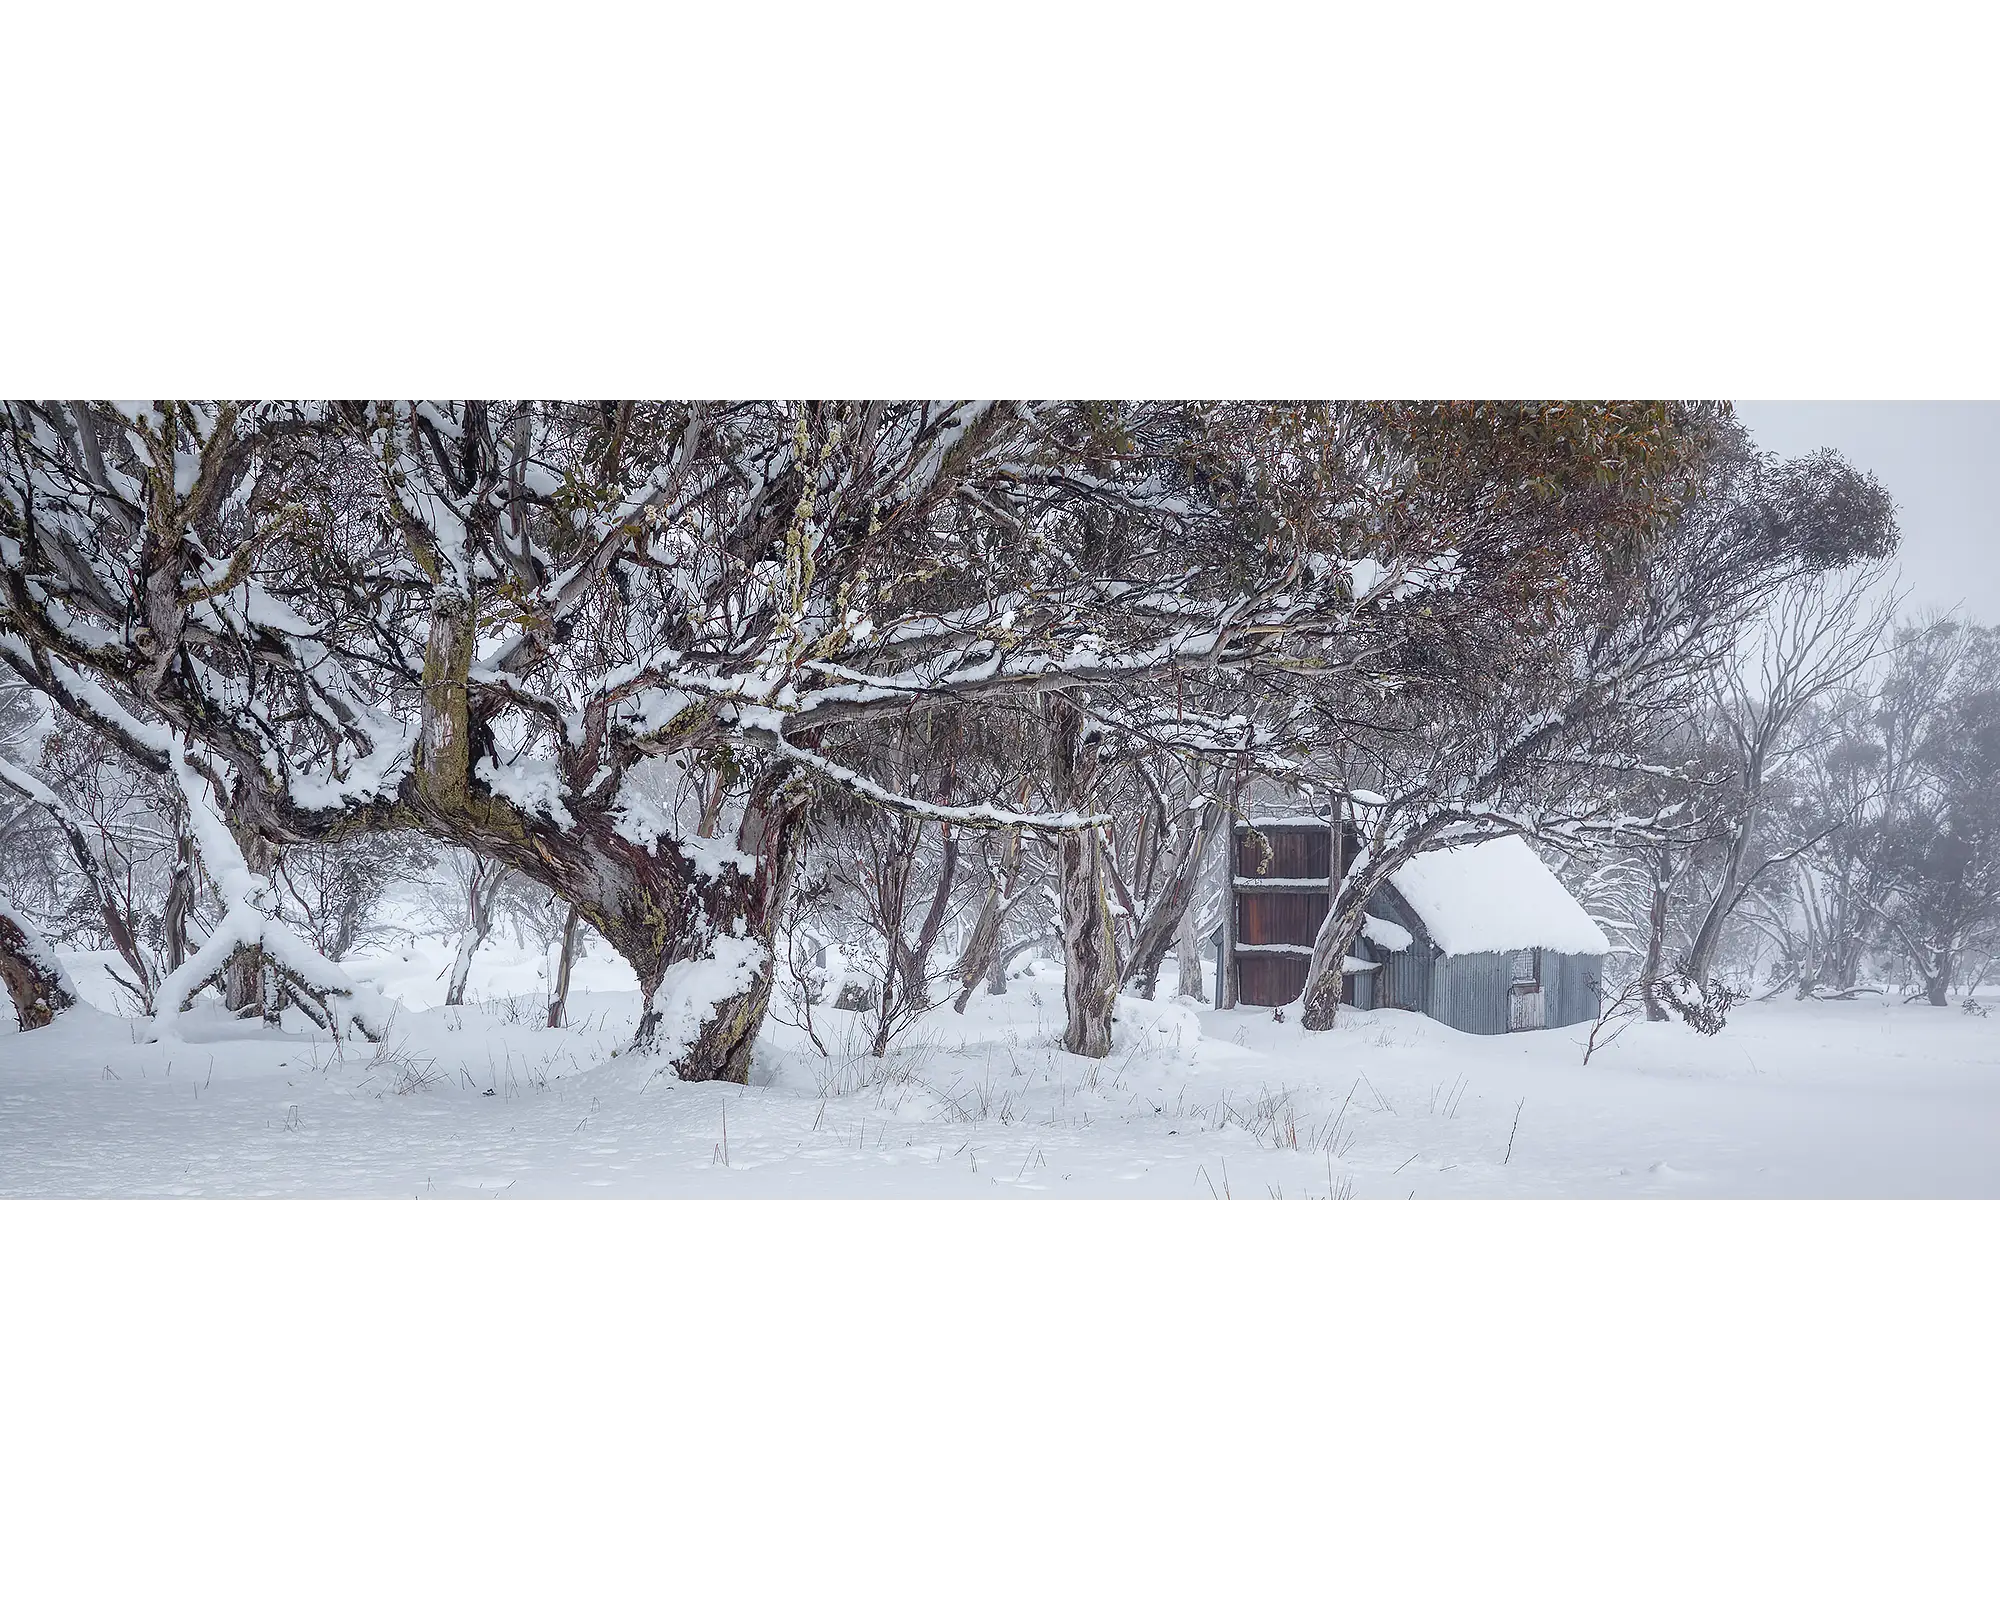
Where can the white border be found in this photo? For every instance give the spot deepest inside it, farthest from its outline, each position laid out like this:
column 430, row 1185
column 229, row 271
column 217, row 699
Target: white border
column 1733, row 1398
column 1709, row 198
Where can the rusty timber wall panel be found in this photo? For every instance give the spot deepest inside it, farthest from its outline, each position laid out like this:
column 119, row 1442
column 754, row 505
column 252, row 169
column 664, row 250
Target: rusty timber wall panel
column 1296, row 852
column 1278, row 918
column 1278, row 980
column 1270, row 980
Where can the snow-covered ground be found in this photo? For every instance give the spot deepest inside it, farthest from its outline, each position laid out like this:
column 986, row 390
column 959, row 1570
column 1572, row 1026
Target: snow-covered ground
column 1827, row 1099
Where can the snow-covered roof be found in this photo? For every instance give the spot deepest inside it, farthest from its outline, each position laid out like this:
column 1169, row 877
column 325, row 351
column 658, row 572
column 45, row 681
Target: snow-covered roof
column 1389, row 935
column 1496, row 896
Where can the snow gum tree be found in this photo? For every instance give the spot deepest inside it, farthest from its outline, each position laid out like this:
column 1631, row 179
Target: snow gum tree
column 892, row 879
column 484, row 621
column 1089, row 947
column 1585, row 603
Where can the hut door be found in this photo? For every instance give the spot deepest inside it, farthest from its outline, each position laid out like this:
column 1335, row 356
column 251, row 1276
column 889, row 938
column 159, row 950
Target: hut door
column 1524, row 994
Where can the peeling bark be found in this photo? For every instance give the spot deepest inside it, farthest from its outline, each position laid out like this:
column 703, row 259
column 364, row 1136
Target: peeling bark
column 446, row 728
column 1090, row 948
column 1188, row 956
column 35, row 980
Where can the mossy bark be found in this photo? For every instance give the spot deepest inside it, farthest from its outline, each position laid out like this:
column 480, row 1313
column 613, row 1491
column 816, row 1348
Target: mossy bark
column 446, row 769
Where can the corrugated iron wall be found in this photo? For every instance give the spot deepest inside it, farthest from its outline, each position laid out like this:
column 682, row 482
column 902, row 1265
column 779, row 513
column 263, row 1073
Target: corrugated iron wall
column 1470, row 992
column 1405, row 979
column 1574, row 985
column 1403, row 982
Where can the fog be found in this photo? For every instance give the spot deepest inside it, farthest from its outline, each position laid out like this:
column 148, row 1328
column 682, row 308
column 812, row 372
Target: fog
column 1941, row 461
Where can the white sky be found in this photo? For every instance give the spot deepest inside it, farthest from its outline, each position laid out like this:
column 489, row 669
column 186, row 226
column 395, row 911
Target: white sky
column 1941, row 462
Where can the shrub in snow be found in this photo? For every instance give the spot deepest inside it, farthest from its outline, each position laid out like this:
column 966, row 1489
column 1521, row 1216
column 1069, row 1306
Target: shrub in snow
column 1705, row 1012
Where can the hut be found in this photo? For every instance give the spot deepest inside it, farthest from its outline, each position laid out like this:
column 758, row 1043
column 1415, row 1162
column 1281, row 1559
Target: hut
column 1483, row 937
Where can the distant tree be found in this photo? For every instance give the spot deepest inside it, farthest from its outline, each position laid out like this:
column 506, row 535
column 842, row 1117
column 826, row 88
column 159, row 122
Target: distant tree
column 1827, row 911
column 474, row 886
column 1942, row 851
column 333, row 891
column 1633, row 886
column 1820, row 634
column 105, row 853
column 894, row 880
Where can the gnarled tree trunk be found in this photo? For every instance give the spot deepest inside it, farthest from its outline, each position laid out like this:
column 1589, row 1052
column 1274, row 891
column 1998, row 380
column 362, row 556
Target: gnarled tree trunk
column 1656, row 943
column 1090, row 949
column 34, row 978
column 1728, row 895
column 180, row 901
column 1937, row 982
column 720, row 930
column 1346, row 908
column 1319, row 1006
column 247, row 988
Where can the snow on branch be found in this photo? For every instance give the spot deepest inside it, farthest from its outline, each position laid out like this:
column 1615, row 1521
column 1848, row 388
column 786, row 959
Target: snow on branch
column 248, row 922
column 979, row 816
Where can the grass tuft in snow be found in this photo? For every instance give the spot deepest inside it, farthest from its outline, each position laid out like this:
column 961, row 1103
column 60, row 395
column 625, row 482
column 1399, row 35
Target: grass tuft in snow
column 406, row 1071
